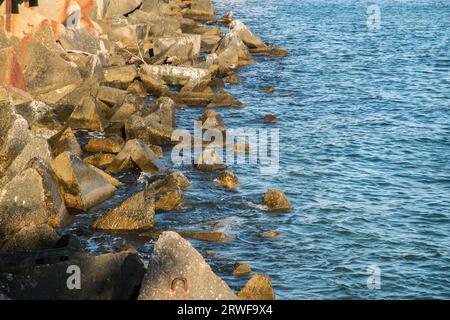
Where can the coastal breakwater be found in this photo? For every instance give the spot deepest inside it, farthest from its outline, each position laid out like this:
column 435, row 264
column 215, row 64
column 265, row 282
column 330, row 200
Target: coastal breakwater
column 117, row 77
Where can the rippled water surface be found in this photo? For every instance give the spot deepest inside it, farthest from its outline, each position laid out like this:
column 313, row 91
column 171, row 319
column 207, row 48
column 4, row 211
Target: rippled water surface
column 364, row 121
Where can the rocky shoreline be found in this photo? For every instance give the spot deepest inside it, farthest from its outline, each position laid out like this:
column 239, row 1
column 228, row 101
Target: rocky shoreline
column 123, row 78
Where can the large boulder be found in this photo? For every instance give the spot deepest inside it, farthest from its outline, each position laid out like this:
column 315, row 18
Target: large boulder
column 169, row 199
column 32, row 197
column 246, row 35
column 111, row 96
column 135, row 152
column 135, row 213
column 37, row 147
column 201, row 10
column 227, row 179
column 120, row 77
column 259, row 287
column 46, row 73
column 14, row 135
column 209, row 160
column 65, row 140
column 109, row 144
column 11, row 73
column 83, row 186
column 178, row 271
column 176, row 75
column 88, row 116
column 149, row 130
column 106, row 277
column 184, row 47
column 232, row 52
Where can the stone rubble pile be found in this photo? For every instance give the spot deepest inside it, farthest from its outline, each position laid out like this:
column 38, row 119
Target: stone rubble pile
column 120, row 72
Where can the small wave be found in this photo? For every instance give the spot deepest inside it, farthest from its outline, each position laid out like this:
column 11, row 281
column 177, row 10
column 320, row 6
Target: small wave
column 257, row 206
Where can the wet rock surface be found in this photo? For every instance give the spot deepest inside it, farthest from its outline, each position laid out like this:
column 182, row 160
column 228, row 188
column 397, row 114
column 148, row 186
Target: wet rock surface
column 135, row 213
column 101, row 92
column 259, row 287
column 276, row 201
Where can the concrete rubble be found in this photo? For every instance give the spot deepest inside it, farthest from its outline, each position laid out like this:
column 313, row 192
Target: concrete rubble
column 118, row 72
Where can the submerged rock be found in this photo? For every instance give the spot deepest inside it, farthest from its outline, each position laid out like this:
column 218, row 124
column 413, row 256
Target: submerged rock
column 149, row 130
column 259, row 287
column 106, row 277
column 270, row 118
column 83, row 186
column 269, row 89
column 201, row 10
column 169, row 199
column 269, row 234
column 276, row 200
column 174, row 257
column 47, row 74
column 209, row 160
column 227, row 179
column 111, row 144
column 241, row 270
column 135, row 152
column 135, row 213
column 232, row 52
column 185, row 47
column 232, row 79
column 63, row 141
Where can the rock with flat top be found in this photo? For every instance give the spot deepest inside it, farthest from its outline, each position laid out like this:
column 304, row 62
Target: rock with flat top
column 120, row 77
column 111, row 144
column 135, row 213
column 276, row 201
column 259, row 287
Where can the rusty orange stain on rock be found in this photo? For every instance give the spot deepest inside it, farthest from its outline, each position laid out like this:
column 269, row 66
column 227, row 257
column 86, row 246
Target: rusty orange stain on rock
column 13, row 74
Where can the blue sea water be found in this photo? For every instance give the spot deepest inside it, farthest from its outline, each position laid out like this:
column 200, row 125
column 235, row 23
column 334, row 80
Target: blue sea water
column 364, row 120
